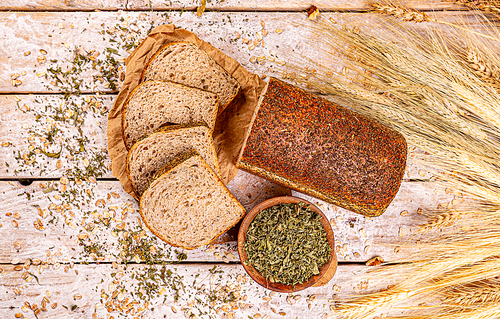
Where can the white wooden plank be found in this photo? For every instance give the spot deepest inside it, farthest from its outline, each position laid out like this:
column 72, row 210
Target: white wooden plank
column 353, row 232
column 25, row 123
column 35, row 31
column 87, row 291
column 83, row 207
column 26, row 120
column 227, row 5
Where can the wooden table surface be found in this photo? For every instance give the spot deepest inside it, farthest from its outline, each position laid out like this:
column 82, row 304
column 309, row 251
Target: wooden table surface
column 76, row 249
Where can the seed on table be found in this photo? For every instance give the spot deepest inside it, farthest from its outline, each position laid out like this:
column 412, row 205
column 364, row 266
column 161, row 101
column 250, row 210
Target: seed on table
column 77, row 297
column 54, row 305
column 401, row 232
column 18, row 268
column 19, row 315
column 16, row 82
column 41, row 59
column 278, row 31
column 404, row 213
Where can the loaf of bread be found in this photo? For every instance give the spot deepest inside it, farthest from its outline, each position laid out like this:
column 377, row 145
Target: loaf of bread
column 185, row 63
column 187, row 205
column 312, row 145
column 153, row 104
column 150, row 154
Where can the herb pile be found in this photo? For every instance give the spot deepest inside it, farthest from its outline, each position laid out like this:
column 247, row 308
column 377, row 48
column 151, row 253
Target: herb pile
column 287, row 244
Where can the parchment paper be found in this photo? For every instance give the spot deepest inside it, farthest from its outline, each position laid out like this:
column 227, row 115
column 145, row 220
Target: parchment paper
column 231, row 125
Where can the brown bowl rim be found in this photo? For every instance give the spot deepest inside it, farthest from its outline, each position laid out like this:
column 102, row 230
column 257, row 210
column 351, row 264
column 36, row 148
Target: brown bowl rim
column 253, row 273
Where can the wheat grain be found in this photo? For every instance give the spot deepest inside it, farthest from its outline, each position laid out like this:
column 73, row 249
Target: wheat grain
column 485, row 70
column 439, row 221
column 404, row 13
column 491, row 6
column 485, row 291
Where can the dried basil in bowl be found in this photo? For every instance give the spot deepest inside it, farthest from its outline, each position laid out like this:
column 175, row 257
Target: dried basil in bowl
column 287, row 244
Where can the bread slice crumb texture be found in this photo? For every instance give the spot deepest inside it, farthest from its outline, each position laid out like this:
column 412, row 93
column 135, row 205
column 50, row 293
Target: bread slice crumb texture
column 154, row 104
column 188, row 206
column 185, row 63
column 153, row 152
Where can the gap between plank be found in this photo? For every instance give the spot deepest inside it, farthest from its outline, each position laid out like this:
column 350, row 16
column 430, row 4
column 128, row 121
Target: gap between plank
column 193, row 263
column 229, row 10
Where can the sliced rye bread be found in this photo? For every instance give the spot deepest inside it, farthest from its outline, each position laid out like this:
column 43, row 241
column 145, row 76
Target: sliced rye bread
column 150, row 154
column 185, row 63
column 188, row 205
column 153, row 104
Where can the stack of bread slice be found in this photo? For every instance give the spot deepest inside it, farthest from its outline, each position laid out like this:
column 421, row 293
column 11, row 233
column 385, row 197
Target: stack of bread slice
column 167, row 126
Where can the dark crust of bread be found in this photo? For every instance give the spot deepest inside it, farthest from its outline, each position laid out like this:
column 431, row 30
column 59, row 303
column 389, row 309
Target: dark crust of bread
column 165, row 170
column 124, row 110
column 310, row 144
column 221, row 107
column 161, row 129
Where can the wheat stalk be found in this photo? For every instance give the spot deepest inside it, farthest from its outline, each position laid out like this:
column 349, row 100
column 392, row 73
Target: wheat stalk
column 439, row 221
column 491, row 6
column 488, row 311
column 412, row 15
column 439, row 91
column 486, row 71
column 484, row 291
column 406, row 14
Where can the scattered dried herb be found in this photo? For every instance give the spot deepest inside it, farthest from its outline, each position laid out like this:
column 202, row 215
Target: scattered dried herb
column 287, row 244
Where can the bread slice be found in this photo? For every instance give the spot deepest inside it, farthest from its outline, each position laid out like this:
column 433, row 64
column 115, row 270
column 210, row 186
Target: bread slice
column 150, row 154
column 185, row 63
column 153, row 104
column 188, row 205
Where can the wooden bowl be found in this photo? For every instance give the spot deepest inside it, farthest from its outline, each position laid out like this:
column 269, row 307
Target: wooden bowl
column 255, row 274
